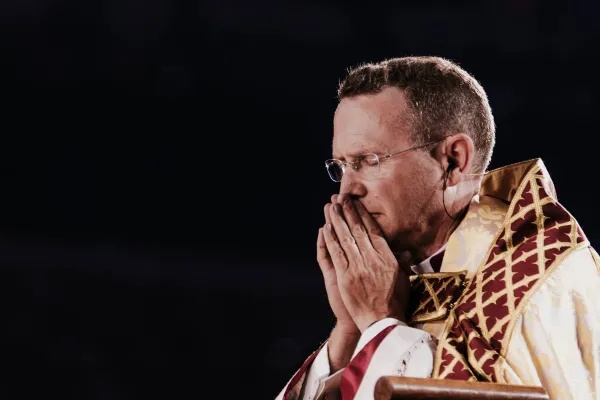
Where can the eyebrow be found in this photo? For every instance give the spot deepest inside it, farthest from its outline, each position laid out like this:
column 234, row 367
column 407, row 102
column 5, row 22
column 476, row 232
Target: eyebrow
column 367, row 146
column 357, row 153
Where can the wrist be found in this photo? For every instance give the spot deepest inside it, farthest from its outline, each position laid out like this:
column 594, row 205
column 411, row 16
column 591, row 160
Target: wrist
column 341, row 345
column 346, row 329
column 365, row 323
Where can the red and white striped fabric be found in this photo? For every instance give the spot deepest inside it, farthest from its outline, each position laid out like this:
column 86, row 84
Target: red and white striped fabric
column 388, row 347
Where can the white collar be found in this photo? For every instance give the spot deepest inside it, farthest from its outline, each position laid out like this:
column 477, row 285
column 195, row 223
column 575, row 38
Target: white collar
column 424, row 267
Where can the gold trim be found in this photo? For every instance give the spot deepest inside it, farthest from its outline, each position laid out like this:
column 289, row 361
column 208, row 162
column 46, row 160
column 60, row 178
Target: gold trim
column 502, row 184
column 457, row 357
column 438, row 275
column 531, row 160
column 442, row 343
column 441, row 310
column 433, row 294
column 433, row 316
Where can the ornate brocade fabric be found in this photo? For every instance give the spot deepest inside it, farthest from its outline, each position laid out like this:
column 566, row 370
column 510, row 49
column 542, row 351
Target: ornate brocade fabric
column 433, row 295
column 514, row 234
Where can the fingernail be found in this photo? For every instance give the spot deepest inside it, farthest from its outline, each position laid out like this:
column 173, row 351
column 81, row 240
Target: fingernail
column 328, row 226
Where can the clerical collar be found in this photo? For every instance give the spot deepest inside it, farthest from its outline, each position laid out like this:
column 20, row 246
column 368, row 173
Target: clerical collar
column 432, row 264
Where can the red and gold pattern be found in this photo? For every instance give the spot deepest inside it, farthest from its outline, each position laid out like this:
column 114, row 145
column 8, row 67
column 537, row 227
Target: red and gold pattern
column 537, row 234
column 432, row 295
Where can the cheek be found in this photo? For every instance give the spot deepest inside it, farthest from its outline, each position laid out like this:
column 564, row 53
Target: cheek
column 399, row 200
column 388, row 198
column 391, row 191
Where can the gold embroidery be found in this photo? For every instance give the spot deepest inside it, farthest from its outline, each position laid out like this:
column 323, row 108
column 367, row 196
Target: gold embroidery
column 515, row 264
column 433, row 294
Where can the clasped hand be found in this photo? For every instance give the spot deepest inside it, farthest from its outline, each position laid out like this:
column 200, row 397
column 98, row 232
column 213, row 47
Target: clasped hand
column 363, row 280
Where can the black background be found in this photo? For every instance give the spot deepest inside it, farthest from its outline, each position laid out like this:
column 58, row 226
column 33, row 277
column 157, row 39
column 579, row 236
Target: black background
column 163, row 178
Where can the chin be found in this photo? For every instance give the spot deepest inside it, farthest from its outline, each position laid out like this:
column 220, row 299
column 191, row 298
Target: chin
column 387, row 233
column 393, row 236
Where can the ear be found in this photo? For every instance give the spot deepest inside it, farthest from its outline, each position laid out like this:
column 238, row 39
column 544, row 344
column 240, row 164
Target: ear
column 456, row 157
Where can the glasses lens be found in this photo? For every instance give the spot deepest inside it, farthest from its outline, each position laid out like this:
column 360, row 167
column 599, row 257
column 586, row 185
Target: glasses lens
column 335, row 169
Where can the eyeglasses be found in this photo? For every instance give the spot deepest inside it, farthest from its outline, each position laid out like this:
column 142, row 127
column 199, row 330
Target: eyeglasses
column 366, row 165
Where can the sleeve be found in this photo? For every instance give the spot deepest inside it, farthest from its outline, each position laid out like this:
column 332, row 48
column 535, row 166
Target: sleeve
column 556, row 340
column 318, row 380
column 313, row 380
column 388, row 347
column 294, row 387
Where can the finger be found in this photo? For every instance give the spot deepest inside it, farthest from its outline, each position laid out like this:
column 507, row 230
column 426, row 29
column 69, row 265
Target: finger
column 323, row 257
column 334, row 198
column 372, row 227
column 355, row 223
column 326, row 210
column 344, row 236
column 337, row 254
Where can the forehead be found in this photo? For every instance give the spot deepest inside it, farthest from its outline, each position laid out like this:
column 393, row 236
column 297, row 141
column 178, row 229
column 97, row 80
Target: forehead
column 370, row 123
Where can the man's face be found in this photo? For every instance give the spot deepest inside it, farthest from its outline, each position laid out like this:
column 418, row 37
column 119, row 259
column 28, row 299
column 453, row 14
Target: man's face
column 405, row 195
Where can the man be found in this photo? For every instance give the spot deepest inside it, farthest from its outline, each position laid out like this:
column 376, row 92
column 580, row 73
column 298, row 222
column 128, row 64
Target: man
column 434, row 268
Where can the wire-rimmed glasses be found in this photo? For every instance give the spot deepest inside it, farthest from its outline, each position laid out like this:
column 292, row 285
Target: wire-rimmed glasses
column 366, row 165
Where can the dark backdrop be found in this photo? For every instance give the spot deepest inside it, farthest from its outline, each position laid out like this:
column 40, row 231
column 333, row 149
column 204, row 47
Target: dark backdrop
column 163, row 178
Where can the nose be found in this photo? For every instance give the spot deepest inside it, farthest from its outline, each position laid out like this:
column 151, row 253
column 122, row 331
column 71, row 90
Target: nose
column 351, row 186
